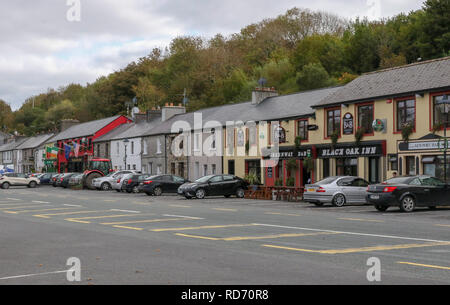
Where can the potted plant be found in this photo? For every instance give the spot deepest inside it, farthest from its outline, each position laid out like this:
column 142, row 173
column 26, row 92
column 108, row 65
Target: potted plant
column 278, row 182
column 292, row 165
column 298, row 142
column 407, row 131
column 334, row 138
column 308, row 164
column 290, row 181
column 359, row 134
column 437, row 127
column 253, row 180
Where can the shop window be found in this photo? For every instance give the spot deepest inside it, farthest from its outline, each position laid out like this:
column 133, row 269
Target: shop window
column 365, row 118
column 231, row 167
column 302, row 129
column 393, row 162
column 410, row 166
column 440, row 117
column 172, row 168
column 374, row 173
column 406, row 114
column 347, row 167
column 254, row 168
column 333, row 122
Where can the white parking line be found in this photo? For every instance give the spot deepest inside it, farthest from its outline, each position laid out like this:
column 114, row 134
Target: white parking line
column 180, row 216
column 36, row 201
column 73, row 205
column 31, row 275
column 354, row 233
column 125, row 211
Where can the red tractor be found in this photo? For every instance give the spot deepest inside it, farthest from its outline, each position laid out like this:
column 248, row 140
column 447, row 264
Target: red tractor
column 97, row 168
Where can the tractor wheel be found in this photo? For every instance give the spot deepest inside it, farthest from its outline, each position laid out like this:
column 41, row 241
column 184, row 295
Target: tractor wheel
column 88, row 182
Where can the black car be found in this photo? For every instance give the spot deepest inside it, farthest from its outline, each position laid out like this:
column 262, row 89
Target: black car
column 214, row 185
column 65, row 179
column 159, row 184
column 132, row 184
column 46, row 179
column 408, row 193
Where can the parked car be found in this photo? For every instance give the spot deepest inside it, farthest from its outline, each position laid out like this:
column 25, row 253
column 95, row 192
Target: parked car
column 161, row 184
column 46, row 179
column 105, row 183
column 75, row 180
column 410, row 192
column 11, row 179
column 133, row 181
column 118, row 184
column 337, row 190
column 55, row 180
column 60, row 179
column 65, row 180
column 214, row 185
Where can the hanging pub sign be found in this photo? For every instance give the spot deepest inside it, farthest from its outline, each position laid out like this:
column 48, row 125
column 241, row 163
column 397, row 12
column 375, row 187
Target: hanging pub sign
column 288, row 153
column 348, row 123
column 279, row 134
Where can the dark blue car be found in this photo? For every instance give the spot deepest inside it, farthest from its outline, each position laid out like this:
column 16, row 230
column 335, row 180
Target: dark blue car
column 46, row 179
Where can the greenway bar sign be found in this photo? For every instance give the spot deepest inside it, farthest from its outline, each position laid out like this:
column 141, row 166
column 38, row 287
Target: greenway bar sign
column 430, row 145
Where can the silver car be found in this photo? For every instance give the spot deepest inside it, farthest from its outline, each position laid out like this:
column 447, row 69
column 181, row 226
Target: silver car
column 337, row 190
column 106, row 183
column 117, row 183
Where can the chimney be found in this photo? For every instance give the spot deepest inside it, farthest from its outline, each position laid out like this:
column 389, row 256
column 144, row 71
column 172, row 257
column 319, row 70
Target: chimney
column 66, row 124
column 260, row 94
column 140, row 117
column 152, row 114
column 170, row 111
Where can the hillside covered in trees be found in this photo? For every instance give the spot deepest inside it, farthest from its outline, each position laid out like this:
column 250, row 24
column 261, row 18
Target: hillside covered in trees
column 296, row 51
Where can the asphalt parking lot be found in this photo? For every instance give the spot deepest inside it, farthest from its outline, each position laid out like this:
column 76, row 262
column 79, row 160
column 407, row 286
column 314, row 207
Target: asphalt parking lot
column 123, row 238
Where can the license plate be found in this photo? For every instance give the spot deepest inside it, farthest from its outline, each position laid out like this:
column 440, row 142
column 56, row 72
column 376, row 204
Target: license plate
column 374, row 197
column 311, row 190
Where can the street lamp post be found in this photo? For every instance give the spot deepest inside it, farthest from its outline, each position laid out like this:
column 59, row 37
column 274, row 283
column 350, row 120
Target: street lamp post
column 444, row 106
column 125, row 142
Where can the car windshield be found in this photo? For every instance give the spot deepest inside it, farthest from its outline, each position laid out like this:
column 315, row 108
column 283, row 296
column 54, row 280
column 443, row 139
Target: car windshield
column 326, row 181
column 399, row 180
column 204, row 179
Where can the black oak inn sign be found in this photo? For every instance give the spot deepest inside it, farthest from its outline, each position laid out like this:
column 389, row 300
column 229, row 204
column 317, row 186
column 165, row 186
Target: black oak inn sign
column 374, row 150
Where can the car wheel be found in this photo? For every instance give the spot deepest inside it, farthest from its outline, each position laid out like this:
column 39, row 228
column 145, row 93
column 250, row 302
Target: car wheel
column 432, row 207
column 129, row 191
column 32, row 184
column 135, row 189
column 339, row 200
column 105, row 186
column 227, row 196
column 118, row 191
column 149, row 194
column 188, row 197
column 240, row 193
column 157, row 191
column 200, row 194
column 5, row 186
column 381, row 208
column 408, row 204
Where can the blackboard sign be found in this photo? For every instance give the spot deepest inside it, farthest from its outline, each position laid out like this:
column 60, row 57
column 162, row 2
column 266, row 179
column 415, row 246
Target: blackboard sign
column 269, row 172
column 348, row 123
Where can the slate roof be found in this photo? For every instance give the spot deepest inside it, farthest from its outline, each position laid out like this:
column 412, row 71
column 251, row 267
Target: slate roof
column 12, row 145
column 405, row 80
column 34, row 142
column 273, row 108
column 84, row 129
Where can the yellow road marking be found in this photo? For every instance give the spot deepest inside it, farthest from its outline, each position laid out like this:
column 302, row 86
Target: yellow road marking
column 129, row 228
column 83, row 219
column 443, row 225
column 142, row 221
column 225, row 210
column 360, row 219
column 67, row 213
column 202, row 227
column 366, row 249
column 282, row 214
column 236, row 238
column 195, row 236
column 426, row 266
column 44, row 210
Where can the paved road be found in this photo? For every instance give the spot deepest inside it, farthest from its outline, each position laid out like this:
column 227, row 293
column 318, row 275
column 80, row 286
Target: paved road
column 135, row 239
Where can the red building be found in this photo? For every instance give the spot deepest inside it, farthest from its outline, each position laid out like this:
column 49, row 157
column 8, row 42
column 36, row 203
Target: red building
column 75, row 144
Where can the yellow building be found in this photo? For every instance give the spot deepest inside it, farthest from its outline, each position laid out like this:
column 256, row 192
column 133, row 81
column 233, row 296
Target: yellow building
column 358, row 129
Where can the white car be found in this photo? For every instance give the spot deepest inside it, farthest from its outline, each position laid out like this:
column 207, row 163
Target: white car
column 105, row 183
column 12, row 179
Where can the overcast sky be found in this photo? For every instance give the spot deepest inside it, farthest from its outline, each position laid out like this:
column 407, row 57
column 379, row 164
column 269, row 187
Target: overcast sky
column 40, row 48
